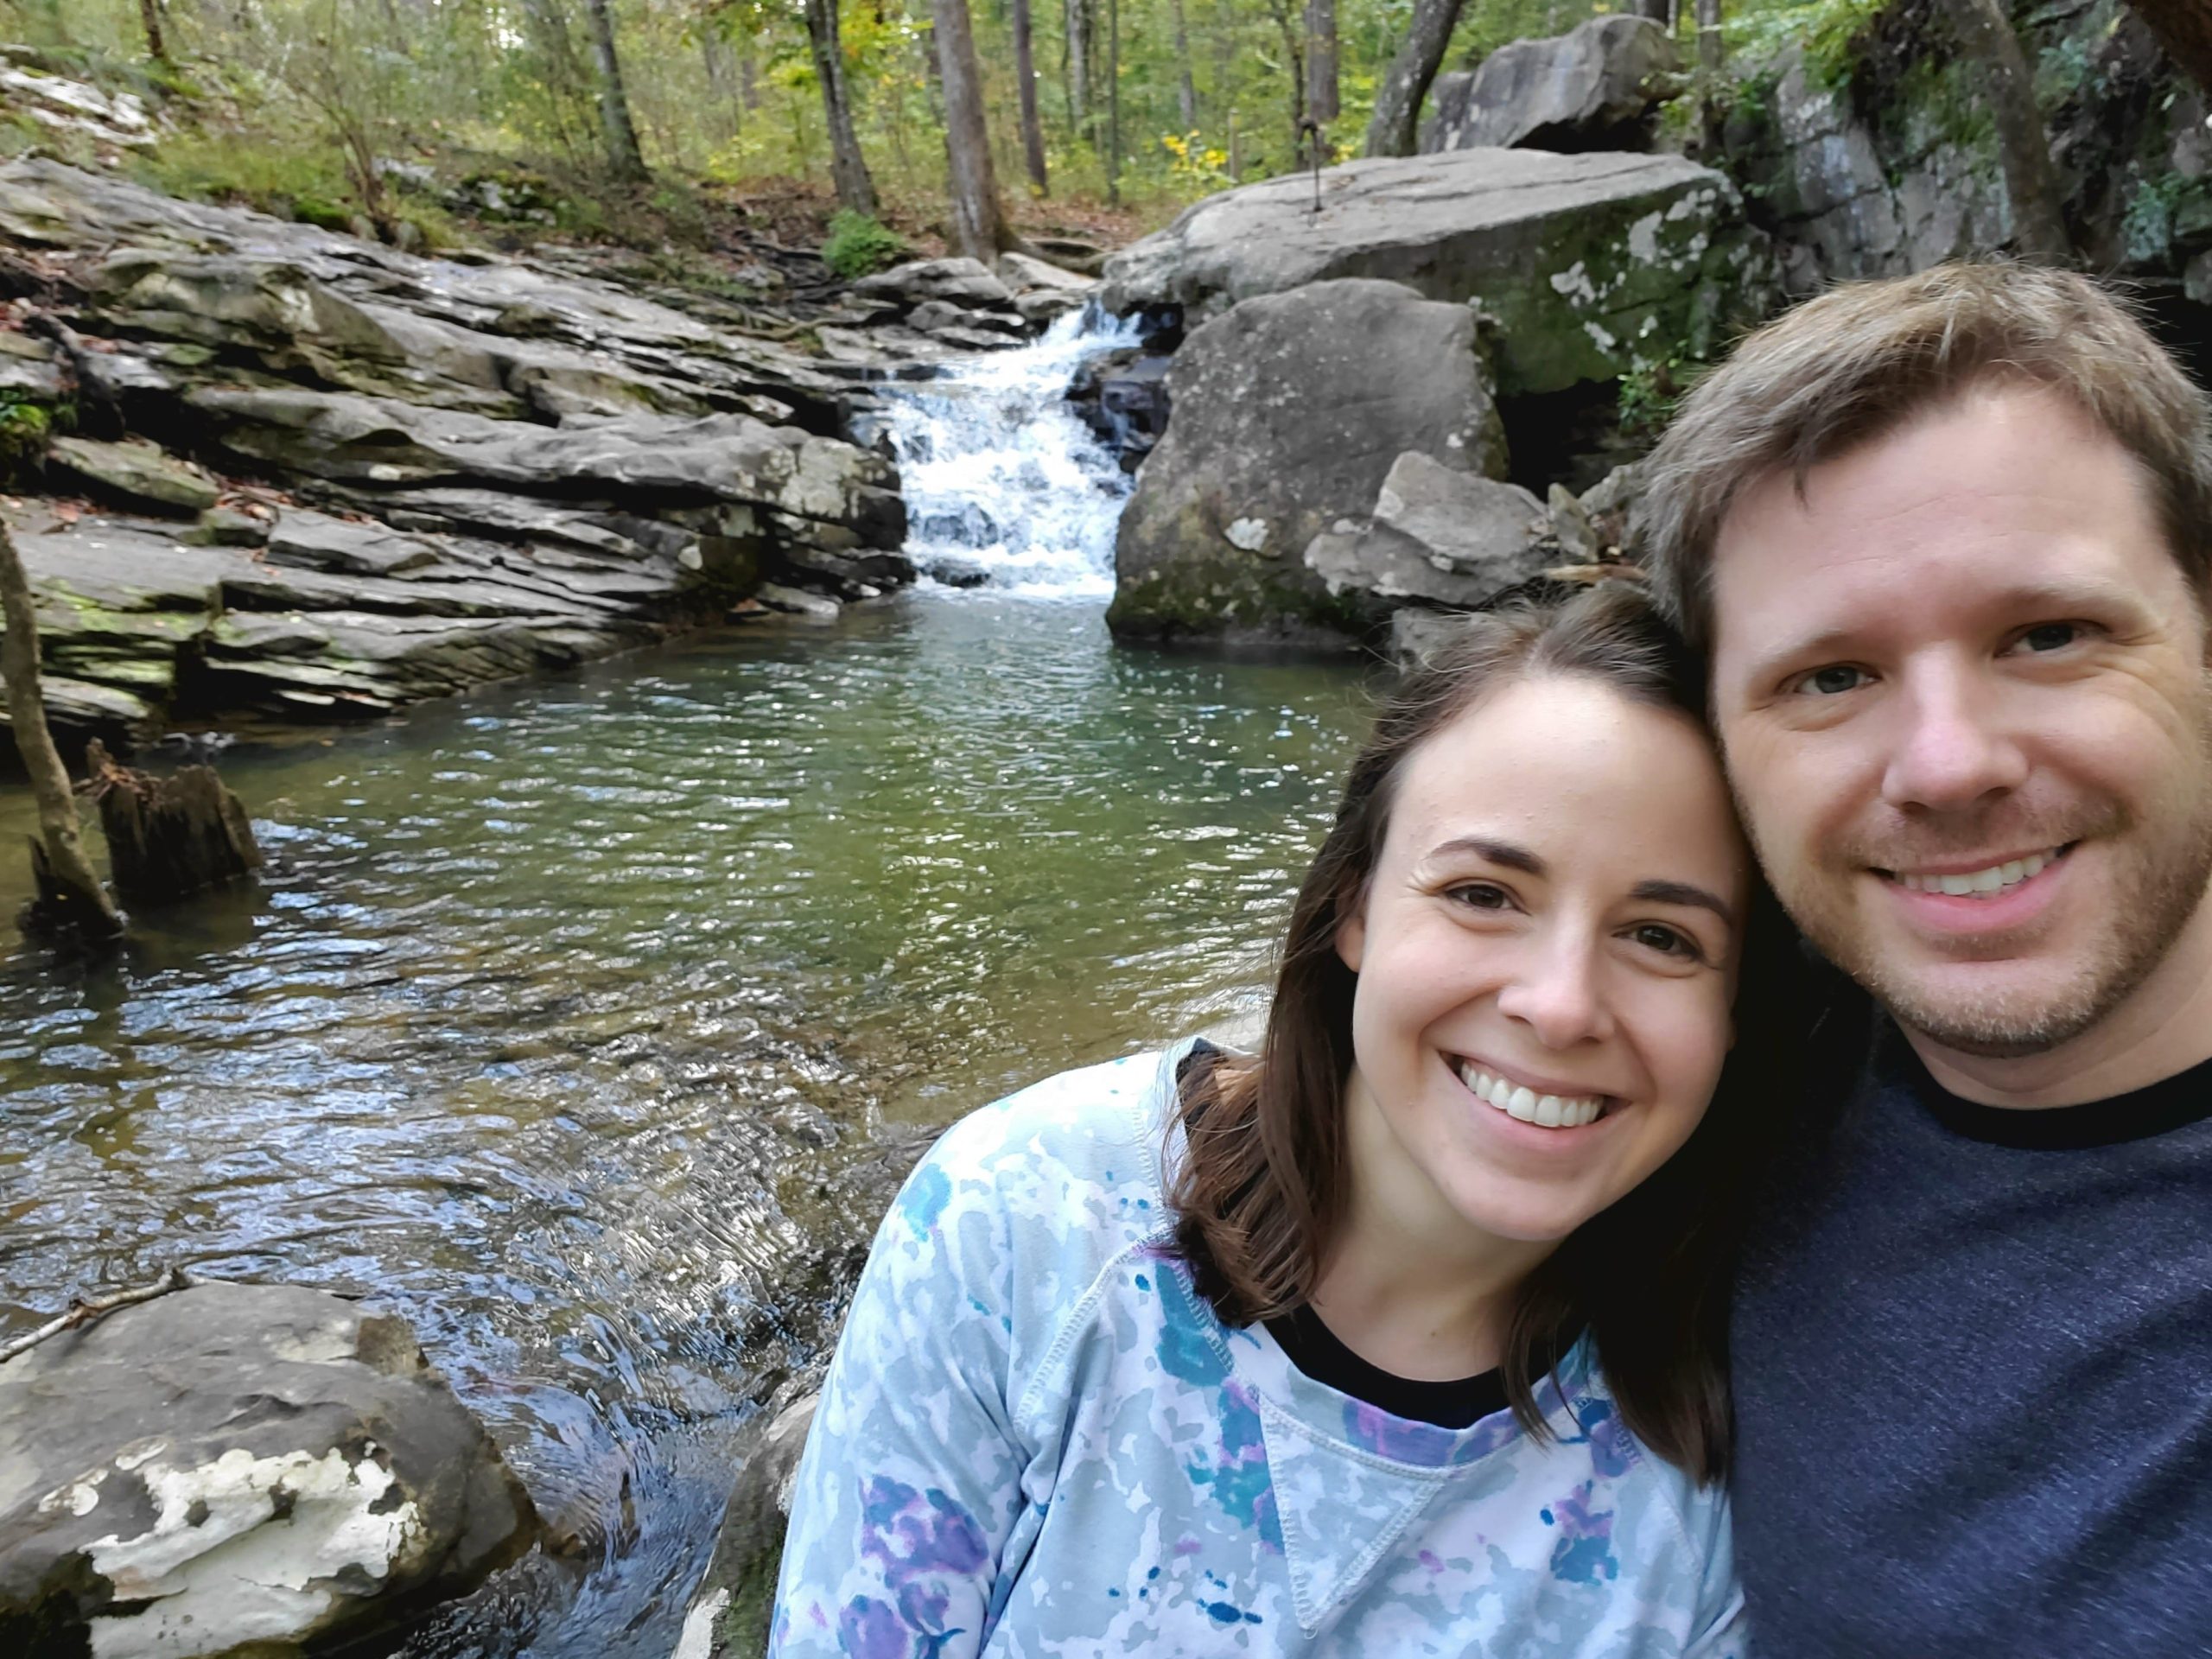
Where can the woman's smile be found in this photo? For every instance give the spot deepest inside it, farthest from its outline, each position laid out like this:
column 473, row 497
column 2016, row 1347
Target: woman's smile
column 1547, row 1105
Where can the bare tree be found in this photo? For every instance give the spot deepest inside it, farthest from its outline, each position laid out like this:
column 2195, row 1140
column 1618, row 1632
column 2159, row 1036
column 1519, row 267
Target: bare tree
column 625, row 160
column 1114, row 103
column 848, row 166
column 69, row 891
column 1321, row 105
column 1293, row 47
column 1076, row 68
column 1396, row 121
column 1025, row 75
column 150, row 14
column 1186, row 90
column 2184, row 29
column 2023, row 151
column 979, row 225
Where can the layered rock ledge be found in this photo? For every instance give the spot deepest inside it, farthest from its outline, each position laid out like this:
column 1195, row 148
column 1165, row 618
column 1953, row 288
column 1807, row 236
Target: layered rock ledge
column 436, row 471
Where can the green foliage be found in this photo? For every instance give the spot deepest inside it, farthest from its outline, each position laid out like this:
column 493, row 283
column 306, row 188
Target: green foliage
column 2159, row 205
column 859, row 244
column 25, row 430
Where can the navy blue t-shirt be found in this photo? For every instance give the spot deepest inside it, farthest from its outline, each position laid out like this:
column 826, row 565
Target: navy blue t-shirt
column 1973, row 1353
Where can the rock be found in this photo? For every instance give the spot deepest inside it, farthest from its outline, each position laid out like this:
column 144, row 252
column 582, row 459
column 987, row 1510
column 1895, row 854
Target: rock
column 135, row 473
column 1578, row 538
column 1023, row 274
column 1610, row 505
column 1290, row 409
column 30, row 371
column 960, row 282
column 227, row 527
column 2197, row 280
column 957, row 573
column 1596, row 87
column 73, row 107
column 242, row 1464
column 1038, row 305
column 731, row 1608
column 315, row 541
column 1123, row 396
column 815, row 607
column 1588, row 263
column 1436, row 537
column 1416, row 635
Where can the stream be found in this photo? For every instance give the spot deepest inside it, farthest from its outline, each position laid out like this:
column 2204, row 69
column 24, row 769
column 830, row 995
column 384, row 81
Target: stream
column 563, row 1004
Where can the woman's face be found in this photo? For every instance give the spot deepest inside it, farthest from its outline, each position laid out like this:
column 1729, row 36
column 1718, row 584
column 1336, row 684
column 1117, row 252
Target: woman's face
column 1546, row 953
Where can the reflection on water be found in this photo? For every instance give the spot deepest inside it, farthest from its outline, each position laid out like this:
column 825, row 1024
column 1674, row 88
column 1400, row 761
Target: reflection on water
column 559, row 1004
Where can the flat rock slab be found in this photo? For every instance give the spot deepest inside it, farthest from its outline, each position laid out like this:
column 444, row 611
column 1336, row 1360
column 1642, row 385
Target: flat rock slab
column 242, row 1464
column 137, row 474
column 1589, row 262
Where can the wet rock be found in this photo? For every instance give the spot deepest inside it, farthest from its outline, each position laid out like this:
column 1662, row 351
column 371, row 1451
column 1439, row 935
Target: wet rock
column 961, row 281
column 731, row 1608
column 957, row 573
column 242, row 1464
column 793, row 601
column 1436, row 537
column 134, row 472
column 1586, row 262
column 1290, row 411
column 1599, row 87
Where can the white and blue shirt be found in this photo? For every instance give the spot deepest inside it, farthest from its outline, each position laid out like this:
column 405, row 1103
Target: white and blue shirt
column 1037, row 1439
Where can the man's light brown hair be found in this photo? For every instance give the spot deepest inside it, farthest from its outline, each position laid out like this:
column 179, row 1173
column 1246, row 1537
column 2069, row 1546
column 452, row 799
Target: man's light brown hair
column 1864, row 359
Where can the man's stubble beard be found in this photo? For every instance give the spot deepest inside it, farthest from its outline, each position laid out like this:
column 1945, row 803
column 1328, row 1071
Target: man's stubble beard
column 2156, row 894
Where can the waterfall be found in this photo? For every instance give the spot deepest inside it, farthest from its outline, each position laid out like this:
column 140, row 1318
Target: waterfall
column 1005, row 487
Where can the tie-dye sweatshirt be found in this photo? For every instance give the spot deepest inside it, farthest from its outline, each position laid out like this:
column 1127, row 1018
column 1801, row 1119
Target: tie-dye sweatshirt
column 1037, row 1439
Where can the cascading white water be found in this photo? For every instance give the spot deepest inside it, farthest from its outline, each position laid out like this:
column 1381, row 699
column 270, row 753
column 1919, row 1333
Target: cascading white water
column 1000, row 476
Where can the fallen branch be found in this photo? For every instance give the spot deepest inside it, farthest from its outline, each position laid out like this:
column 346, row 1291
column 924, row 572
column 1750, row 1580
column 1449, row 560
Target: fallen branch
column 85, row 1312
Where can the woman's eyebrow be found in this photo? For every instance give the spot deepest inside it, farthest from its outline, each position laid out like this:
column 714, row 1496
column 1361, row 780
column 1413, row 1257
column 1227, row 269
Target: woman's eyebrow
column 1511, row 855
column 1681, row 893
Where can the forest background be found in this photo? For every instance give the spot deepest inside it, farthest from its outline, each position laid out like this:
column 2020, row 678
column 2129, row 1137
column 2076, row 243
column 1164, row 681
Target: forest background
column 644, row 121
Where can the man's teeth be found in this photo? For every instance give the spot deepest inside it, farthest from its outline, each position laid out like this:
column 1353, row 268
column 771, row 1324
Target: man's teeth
column 1995, row 878
column 1518, row 1100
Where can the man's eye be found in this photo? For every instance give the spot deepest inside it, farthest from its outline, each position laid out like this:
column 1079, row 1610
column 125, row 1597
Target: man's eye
column 2050, row 636
column 1831, row 680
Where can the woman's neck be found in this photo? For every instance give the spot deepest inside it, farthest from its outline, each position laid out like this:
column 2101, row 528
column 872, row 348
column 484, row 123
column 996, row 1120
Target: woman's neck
column 1408, row 1285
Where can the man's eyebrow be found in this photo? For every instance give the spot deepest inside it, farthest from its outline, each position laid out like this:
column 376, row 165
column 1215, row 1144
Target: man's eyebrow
column 1682, row 893
column 1511, row 855
column 2058, row 596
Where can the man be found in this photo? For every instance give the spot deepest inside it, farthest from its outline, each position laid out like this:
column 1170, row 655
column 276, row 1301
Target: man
column 1947, row 540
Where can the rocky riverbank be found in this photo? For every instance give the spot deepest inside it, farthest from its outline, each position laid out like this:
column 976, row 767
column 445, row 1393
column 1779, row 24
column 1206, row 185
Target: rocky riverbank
column 301, row 475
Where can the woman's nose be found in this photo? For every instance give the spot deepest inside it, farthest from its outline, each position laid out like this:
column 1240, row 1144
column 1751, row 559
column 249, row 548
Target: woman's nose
column 1558, row 994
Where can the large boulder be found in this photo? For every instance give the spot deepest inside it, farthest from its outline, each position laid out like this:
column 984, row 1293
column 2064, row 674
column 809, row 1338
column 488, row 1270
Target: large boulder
column 1290, row 409
column 1596, row 87
column 236, row 1467
column 1437, row 537
column 1592, row 265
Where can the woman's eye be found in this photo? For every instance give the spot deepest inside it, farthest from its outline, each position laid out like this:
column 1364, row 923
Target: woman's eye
column 1831, row 680
column 1481, row 895
column 1668, row 941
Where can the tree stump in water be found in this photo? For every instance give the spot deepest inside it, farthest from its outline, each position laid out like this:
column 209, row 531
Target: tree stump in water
column 168, row 837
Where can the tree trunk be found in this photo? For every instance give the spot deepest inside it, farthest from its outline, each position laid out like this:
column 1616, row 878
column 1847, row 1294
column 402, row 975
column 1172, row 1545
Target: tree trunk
column 1655, row 9
column 1712, row 49
column 1294, row 49
column 1079, row 55
column 848, row 166
column 1186, row 90
column 71, row 897
column 1321, row 69
column 1396, row 123
column 624, row 158
column 2185, row 29
column 1025, row 75
column 2031, row 183
column 150, row 13
column 979, row 227
column 1114, row 103
column 170, row 837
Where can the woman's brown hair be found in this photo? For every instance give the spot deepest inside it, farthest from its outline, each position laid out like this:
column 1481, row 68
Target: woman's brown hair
column 1260, row 1187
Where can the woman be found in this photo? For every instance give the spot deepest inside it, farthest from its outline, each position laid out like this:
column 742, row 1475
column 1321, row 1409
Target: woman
column 1402, row 1337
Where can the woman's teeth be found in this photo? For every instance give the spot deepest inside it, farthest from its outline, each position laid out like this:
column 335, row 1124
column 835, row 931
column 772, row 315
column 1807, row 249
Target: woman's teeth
column 1995, row 878
column 1518, row 1100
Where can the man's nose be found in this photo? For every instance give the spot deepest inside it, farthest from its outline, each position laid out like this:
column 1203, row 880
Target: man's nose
column 1954, row 751
column 1558, row 993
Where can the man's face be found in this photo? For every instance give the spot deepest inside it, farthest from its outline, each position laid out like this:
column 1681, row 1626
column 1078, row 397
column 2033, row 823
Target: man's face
column 1961, row 685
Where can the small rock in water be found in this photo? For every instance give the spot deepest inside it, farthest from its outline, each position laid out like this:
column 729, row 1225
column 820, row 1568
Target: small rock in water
column 958, row 573
column 815, row 607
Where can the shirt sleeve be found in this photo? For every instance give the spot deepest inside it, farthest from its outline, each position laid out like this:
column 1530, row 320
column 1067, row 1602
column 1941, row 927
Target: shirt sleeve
column 1723, row 1629
column 911, row 1482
